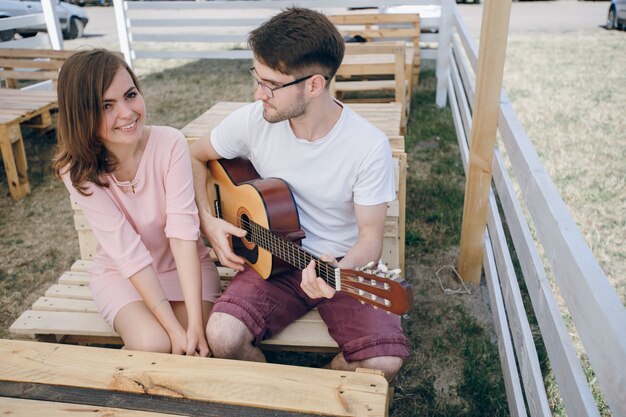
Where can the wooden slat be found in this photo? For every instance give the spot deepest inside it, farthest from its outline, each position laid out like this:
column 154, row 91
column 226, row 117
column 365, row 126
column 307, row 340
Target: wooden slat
column 32, row 408
column 577, row 397
column 240, row 383
column 34, row 53
column 527, row 358
column 385, row 116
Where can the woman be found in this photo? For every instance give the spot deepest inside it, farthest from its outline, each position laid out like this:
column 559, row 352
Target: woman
column 152, row 280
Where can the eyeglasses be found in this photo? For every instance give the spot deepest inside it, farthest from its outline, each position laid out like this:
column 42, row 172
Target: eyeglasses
column 269, row 91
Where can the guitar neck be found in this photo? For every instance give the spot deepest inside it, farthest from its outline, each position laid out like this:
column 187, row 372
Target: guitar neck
column 288, row 251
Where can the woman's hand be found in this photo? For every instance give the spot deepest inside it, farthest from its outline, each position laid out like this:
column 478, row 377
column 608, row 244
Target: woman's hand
column 314, row 286
column 196, row 342
column 178, row 339
column 218, row 232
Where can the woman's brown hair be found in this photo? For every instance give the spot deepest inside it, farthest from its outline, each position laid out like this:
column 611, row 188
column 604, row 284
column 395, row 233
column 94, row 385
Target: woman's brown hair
column 83, row 80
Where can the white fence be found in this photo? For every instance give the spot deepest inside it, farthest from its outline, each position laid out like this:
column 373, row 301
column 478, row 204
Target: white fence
column 597, row 314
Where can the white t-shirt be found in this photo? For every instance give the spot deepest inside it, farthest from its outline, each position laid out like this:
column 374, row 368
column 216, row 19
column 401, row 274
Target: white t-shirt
column 351, row 164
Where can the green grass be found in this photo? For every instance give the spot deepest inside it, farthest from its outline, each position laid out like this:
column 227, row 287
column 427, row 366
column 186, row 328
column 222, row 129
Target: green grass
column 455, row 367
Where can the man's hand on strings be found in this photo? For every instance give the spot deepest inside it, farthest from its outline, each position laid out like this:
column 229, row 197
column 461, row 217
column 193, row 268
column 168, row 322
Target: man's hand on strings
column 314, row 286
column 218, row 232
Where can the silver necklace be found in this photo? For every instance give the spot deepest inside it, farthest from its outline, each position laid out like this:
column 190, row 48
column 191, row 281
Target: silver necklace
column 130, row 186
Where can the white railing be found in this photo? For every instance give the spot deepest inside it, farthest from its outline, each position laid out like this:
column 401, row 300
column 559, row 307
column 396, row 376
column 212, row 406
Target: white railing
column 219, row 29
column 597, row 314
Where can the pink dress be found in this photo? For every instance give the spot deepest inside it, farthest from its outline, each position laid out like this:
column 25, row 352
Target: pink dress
column 132, row 228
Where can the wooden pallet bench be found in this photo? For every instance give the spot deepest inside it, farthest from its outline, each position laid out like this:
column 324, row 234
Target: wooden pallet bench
column 34, row 65
column 67, row 313
column 49, row 379
column 377, row 27
column 372, row 68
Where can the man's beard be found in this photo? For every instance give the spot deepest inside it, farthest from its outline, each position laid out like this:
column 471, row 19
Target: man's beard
column 297, row 110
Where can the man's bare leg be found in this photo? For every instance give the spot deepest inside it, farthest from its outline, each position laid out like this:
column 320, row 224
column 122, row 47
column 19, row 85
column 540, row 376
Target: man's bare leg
column 229, row 338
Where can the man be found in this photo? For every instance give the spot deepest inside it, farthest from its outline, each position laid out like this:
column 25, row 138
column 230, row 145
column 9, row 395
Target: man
column 338, row 167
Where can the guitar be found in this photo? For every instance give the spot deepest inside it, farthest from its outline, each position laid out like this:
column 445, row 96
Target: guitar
column 266, row 209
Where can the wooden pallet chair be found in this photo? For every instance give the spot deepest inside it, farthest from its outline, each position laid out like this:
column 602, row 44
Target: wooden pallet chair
column 372, row 69
column 31, row 65
column 376, row 27
column 67, row 313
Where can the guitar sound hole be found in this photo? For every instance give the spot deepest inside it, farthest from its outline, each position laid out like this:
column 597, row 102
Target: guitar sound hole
column 246, row 224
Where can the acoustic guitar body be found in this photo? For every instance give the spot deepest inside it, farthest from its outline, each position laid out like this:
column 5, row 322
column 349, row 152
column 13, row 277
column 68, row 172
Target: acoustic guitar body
column 242, row 198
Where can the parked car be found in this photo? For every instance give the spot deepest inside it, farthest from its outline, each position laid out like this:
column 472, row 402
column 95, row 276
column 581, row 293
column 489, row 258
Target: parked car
column 82, row 3
column 73, row 19
column 616, row 18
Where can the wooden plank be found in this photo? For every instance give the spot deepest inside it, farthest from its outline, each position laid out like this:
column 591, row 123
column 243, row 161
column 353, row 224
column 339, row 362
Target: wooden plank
column 134, row 402
column 527, row 358
column 565, row 365
column 511, row 377
column 77, row 292
column 35, row 53
column 240, row 383
column 32, row 408
column 80, row 318
column 33, row 322
column 64, row 304
column 385, row 116
column 483, row 135
column 596, row 309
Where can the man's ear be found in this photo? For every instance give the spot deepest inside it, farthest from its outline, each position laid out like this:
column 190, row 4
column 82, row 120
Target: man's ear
column 318, row 84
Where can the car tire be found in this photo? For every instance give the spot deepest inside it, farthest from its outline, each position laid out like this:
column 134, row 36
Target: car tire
column 27, row 34
column 75, row 28
column 611, row 21
column 6, row 35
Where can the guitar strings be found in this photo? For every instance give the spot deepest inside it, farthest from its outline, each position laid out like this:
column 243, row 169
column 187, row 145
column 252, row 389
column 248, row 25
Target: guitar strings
column 324, row 269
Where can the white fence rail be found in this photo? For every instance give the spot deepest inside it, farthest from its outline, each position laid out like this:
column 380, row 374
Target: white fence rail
column 597, row 314
column 219, row 29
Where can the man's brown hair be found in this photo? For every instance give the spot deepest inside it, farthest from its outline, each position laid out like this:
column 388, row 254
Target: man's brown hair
column 298, row 41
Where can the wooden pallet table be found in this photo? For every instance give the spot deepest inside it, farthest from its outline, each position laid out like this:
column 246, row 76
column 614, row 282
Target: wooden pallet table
column 386, row 116
column 49, row 379
column 21, row 108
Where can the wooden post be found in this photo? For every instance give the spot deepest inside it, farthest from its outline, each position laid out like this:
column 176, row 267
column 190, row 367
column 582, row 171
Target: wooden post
column 443, row 53
column 491, row 54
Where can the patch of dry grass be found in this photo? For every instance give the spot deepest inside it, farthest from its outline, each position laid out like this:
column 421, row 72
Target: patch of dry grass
column 568, row 92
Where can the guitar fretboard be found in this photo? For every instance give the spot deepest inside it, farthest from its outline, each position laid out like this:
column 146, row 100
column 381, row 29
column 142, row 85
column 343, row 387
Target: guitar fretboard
column 286, row 250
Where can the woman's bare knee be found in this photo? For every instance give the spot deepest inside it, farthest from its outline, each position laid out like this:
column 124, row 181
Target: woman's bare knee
column 149, row 342
column 140, row 330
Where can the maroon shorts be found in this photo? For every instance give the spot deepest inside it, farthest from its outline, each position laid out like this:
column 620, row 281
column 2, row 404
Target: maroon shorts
column 268, row 306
